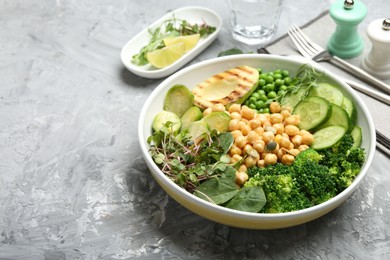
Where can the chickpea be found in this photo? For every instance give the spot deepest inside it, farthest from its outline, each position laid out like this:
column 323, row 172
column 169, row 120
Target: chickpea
column 235, row 115
column 270, row 159
column 247, row 112
column 235, row 158
column 259, row 146
column 234, row 125
column 287, row 159
column 250, row 161
column 218, row 107
column 268, row 136
column 280, row 153
column 236, row 133
column 241, row 178
column 276, row 118
column 296, row 140
column 294, row 152
column 235, row 150
column 252, row 137
column 234, row 108
column 244, row 128
column 259, row 130
column 240, row 141
column 291, row 130
column 285, row 113
column 279, row 127
column 253, row 153
column 260, row 163
column 254, row 123
column 307, row 139
column 303, row 147
column 242, row 168
column 292, row 120
column 275, row 107
column 284, row 142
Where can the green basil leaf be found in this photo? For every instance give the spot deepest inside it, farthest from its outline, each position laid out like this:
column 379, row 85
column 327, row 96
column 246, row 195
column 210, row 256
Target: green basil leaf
column 249, row 199
column 230, row 52
column 217, row 190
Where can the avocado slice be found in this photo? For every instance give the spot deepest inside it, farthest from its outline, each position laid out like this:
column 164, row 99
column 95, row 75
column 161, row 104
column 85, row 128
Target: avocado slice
column 231, row 86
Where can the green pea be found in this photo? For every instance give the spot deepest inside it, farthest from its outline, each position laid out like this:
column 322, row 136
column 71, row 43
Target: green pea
column 278, row 76
column 270, row 79
column 266, row 110
column 278, row 71
column 283, row 87
column 287, row 80
column 259, row 104
column 255, row 95
column 253, row 106
column 262, row 82
column 271, row 95
column 281, row 92
column 279, row 82
column 285, row 73
column 261, row 92
column 269, row 87
column 263, row 97
column 259, row 70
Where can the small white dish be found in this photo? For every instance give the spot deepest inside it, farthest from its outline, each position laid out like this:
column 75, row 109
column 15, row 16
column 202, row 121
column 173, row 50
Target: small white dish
column 192, row 14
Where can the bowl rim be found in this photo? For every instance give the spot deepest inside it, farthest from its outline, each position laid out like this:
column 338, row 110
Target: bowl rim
column 327, row 205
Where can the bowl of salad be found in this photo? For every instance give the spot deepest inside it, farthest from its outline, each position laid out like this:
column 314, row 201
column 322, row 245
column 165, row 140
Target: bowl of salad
column 257, row 141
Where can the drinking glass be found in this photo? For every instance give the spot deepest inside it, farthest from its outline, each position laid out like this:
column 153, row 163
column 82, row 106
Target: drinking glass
column 254, row 22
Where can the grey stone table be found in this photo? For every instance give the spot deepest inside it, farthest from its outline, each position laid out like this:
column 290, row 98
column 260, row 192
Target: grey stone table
column 73, row 184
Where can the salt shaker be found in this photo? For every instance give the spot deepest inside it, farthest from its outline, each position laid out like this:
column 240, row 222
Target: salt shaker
column 346, row 42
column 377, row 61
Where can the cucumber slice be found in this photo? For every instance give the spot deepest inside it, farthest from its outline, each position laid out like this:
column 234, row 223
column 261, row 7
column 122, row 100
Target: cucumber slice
column 338, row 117
column 327, row 137
column 357, row 136
column 350, row 107
column 313, row 111
column 329, row 92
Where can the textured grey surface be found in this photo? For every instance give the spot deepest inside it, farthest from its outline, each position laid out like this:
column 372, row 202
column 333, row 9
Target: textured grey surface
column 73, row 184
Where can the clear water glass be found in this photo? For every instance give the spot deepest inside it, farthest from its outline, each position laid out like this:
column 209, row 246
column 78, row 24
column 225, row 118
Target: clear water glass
column 254, row 22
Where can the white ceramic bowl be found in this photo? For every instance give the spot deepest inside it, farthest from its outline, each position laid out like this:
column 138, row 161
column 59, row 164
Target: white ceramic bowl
column 190, row 76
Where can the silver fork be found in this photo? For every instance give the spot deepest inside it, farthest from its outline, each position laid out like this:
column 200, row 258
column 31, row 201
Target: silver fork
column 310, row 49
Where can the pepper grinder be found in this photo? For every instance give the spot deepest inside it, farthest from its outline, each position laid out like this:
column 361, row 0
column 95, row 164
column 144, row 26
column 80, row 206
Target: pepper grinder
column 346, row 42
column 377, row 61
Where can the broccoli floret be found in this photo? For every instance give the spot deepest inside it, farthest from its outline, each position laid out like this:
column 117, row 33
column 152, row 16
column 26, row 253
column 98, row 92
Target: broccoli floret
column 344, row 161
column 281, row 188
column 316, row 182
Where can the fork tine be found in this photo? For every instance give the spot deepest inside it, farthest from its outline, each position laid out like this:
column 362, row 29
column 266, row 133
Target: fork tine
column 317, row 48
column 302, row 41
column 298, row 43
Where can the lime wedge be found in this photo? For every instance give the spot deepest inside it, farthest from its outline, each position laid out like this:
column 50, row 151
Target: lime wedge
column 164, row 57
column 190, row 41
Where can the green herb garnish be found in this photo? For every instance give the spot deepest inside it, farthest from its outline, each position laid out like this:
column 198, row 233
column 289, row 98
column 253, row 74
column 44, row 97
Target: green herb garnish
column 170, row 28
